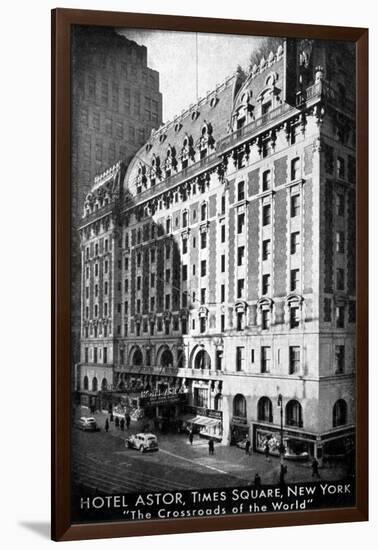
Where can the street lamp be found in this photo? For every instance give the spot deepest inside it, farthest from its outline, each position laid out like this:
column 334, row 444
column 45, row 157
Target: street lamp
column 281, row 447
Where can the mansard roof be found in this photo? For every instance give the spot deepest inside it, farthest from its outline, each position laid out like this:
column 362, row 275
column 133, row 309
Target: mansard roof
column 212, row 111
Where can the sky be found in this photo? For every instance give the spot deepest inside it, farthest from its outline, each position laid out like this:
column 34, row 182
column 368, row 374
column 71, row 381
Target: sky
column 173, row 54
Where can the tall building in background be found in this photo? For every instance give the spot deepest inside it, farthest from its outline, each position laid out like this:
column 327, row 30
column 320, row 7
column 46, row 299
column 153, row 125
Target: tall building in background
column 115, row 104
column 218, row 268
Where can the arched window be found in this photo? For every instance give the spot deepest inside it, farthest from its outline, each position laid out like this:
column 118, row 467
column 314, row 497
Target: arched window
column 339, row 415
column 166, row 359
column 202, row 360
column 294, row 414
column 85, row 383
column 137, row 358
column 240, row 406
column 180, row 359
column 104, row 384
column 94, row 384
column 264, row 410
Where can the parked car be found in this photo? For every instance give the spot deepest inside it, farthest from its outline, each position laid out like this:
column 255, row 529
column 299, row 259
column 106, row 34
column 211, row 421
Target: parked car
column 87, row 423
column 142, row 442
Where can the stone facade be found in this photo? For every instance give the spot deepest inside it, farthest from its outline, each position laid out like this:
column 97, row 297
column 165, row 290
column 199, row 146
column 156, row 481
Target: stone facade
column 231, row 242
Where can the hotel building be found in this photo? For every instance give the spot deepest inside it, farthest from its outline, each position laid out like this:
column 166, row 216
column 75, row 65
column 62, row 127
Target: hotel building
column 218, row 265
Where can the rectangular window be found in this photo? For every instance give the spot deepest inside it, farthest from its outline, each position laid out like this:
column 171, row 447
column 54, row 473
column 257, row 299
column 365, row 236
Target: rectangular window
column 152, row 280
column 266, row 284
column 294, row 359
column 340, row 359
column 222, row 293
column 168, row 251
column 184, row 299
column 340, row 316
column 203, row 240
column 265, row 359
column 241, row 250
column 105, row 351
column 202, row 325
column 194, row 269
column 167, row 275
column 241, row 194
column 86, row 355
column 184, row 326
column 340, row 242
column 167, row 301
column 139, row 282
column 240, row 358
column 294, row 280
column 266, row 180
column 340, row 204
column 294, row 205
column 266, row 249
column 184, row 272
column 294, row 242
column 267, row 210
column 223, row 263
column 340, row 279
column 340, row 168
column 138, row 305
column 203, row 268
column 223, row 204
column 252, row 355
column 94, row 355
column 223, row 233
column 240, row 321
column 203, row 296
column 295, row 169
column 222, row 319
column 294, row 317
column 184, row 246
column 265, row 319
column 241, row 222
column 240, row 290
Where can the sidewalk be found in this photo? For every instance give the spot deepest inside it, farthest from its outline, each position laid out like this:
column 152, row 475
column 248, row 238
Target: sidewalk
column 228, row 460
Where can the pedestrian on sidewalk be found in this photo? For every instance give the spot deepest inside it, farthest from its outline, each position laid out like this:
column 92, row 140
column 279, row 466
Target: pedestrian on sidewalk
column 128, row 420
column 191, row 436
column 266, row 451
column 122, row 424
column 283, row 472
column 257, row 481
column 247, row 446
column 211, row 446
column 106, row 425
column 116, row 422
column 315, row 468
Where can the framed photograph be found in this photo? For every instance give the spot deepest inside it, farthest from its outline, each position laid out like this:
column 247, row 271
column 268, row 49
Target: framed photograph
column 209, row 267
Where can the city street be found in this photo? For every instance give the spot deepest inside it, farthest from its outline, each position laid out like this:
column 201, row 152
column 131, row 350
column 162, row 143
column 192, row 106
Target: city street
column 101, row 462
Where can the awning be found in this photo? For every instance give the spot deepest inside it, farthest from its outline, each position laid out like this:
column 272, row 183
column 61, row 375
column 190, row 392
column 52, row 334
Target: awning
column 200, row 420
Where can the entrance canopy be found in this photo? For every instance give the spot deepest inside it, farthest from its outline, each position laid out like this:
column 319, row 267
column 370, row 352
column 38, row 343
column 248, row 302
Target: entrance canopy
column 200, row 420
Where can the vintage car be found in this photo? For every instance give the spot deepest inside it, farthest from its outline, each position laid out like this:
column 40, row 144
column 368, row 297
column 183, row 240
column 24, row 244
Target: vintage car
column 87, row 423
column 142, row 442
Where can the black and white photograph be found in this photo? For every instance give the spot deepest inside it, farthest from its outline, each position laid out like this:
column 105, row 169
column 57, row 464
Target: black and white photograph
column 213, row 280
